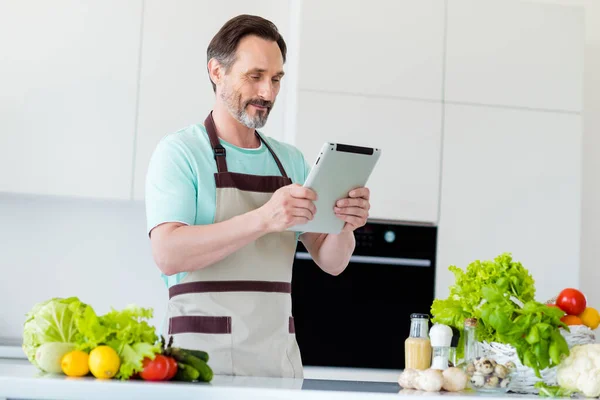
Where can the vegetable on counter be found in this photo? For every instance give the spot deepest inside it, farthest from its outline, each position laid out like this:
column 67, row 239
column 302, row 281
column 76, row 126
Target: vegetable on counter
column 67, row 336
column 452, row 379
column 49, row 355
column 51, row 321
column 576, row 309
column 500, row 293
column 580, row 371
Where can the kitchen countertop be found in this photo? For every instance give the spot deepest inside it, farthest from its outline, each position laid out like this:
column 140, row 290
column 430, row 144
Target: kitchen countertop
column 21, row 380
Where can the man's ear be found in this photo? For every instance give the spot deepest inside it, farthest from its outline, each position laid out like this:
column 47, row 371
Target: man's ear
column 215, row 71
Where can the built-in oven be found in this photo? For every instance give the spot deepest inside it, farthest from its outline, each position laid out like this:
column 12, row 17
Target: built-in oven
column 360, row 318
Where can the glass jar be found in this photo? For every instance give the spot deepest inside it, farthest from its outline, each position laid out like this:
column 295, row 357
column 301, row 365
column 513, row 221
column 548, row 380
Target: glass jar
column 485, row 373
column 471, row 347
column 417, row 347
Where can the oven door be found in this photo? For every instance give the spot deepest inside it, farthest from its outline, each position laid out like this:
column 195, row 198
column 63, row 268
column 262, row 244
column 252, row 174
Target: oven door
column 361, row 317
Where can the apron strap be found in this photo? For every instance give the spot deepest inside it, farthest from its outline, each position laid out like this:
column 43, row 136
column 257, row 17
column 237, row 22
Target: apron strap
column 279, row 165
column 219, row 150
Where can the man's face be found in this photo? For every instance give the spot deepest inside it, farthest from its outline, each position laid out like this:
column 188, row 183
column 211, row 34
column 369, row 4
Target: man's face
column 251, row 85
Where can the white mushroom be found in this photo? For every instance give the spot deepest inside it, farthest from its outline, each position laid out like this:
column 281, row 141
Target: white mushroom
column 455, row 379
column 416, row 381
column 430, row 380
column 407, row 378
column 478, row 380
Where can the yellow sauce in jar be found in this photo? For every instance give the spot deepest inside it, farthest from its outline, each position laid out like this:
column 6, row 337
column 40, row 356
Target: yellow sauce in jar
column 417, row 353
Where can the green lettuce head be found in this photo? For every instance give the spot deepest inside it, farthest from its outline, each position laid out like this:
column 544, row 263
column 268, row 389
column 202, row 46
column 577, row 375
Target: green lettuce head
column 54, row 320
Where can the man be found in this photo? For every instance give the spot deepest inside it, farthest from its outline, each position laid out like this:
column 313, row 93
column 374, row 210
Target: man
column 219, row 199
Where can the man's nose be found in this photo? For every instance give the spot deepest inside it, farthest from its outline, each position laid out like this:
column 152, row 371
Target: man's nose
column 266, row 90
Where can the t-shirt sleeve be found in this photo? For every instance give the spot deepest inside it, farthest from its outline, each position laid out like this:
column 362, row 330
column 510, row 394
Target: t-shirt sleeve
column 171, row 186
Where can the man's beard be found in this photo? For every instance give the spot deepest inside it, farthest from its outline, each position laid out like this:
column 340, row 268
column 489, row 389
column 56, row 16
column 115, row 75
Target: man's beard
column 237, row 108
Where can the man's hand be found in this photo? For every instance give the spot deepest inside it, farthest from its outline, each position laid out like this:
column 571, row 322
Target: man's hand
column 354, row 209
column 289, row 205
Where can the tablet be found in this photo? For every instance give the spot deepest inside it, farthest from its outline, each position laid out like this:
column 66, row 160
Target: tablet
column 338, row 169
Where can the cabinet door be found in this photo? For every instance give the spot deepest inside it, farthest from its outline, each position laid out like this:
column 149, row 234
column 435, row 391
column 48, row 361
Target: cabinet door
column 375, row 47
column 515, row 53
column 405, row 182
column 68, row 79
column 511, row 182
column 175, row 90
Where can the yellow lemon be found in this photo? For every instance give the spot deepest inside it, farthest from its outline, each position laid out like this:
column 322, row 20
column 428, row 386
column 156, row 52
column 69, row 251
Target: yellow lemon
column 104, row 362
column 75, row 363
column 590, row 317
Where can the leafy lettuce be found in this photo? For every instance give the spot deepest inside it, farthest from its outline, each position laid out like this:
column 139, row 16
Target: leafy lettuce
column 72, row 321
column 125, row 331
column 54, row 320
column 501, row 295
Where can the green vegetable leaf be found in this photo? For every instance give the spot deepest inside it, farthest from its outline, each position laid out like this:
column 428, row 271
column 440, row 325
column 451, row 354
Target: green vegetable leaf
column 132, row 357
column 53, row 320
column 552, row 391
column 501, row 295
column 533, row 336
column 126, row 331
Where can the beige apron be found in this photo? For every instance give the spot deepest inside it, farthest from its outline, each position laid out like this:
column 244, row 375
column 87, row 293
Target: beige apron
column 239, row 309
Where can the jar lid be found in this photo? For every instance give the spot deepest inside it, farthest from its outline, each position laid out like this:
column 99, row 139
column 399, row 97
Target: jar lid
column 419, row 316
column 471, row 322
column 440, row 335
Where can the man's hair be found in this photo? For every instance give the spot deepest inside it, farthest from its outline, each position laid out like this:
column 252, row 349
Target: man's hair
column 224, row 45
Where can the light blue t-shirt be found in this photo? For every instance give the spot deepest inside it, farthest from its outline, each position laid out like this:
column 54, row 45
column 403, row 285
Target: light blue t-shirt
column 180, row 183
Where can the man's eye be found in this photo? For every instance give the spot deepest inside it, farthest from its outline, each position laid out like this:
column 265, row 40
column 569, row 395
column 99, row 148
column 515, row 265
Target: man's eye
column 255, row 77
column 276, row 80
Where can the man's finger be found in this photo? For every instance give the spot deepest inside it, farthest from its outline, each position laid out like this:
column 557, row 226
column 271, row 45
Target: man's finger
column 300, row 192
column 303, row 213
column 356, row 221
column 356, row 211
column 361, row 203
column 303, row 203
column 363, row 192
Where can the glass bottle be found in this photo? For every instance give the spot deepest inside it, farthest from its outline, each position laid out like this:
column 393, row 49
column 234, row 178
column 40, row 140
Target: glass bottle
column 417, row 347
column 471, row 347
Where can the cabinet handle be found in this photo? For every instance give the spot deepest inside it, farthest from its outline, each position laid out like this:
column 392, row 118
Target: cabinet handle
column 406, row 262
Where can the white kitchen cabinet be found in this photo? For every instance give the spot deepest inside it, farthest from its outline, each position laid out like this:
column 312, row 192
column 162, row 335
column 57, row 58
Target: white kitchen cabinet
column 374, row 47
column 405, row 182
column 515, row 53
column 175, row 90
column 68, row 79
column 511, row 182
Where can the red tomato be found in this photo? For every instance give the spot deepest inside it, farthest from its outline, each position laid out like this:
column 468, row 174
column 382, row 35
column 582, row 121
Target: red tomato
column 571, row 301
column 172, row 368
column 155, row 370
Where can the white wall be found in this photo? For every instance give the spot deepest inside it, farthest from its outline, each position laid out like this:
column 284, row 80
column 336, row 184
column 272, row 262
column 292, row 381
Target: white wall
column 589, row 274
column 59, row 247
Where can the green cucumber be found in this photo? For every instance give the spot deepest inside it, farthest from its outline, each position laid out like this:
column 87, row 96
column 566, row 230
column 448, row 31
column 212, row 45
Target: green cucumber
column 206, row 373
column 186, row 373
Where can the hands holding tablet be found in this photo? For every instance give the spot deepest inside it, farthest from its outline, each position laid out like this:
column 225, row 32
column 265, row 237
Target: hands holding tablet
column 293, row 204
column 354, row 210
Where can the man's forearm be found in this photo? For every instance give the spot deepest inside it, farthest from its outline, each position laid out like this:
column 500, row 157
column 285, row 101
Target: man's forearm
column 334, row 251
column 188, row 248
